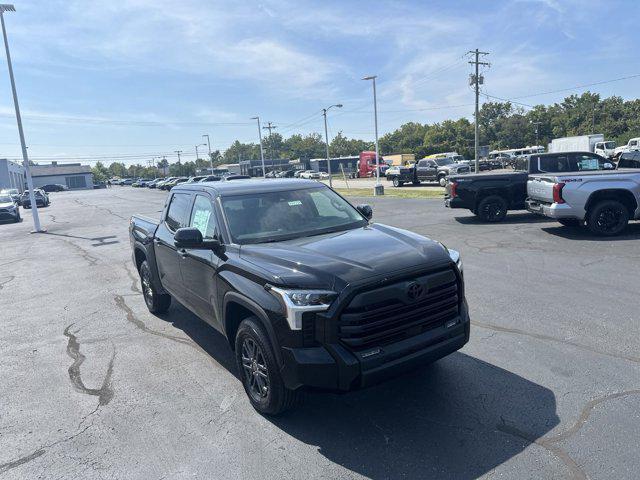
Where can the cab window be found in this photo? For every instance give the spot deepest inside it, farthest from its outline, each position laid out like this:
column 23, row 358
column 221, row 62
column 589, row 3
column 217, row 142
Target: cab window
column 203, row 217
column 178, row 212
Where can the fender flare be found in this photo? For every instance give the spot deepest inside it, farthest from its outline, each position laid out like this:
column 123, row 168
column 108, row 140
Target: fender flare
column 259, row 312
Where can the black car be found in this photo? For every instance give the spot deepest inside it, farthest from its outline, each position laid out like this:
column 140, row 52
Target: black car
column 428, row 170
column 490, row 196
column 9, row 209
column 211, row 178
column 291, row 274
column 226, row 178
column 54, row 187
column 629, row 160
column 42, row 199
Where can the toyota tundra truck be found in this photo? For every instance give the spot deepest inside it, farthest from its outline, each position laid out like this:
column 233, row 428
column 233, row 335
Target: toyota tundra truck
column 603, row 201
column 291, row 274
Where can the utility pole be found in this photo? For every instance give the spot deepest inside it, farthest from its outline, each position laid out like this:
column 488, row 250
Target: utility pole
column 264, row 170
column 326, row 139
column 477, row 80
column 210, row 157
column 178, row 152
column 378, row 189
column 270, row 126
column 537, row 125
column 25, row 157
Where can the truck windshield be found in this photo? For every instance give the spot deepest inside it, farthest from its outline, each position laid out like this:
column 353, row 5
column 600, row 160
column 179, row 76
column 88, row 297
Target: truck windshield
column 274, row 216
column 444, row 161
column 609, row 145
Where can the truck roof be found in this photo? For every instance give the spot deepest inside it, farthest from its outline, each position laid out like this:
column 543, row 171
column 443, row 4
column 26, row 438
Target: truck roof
column 241, row 187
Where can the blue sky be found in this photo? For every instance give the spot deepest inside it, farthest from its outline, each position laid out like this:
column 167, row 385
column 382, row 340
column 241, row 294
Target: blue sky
column 138, row 78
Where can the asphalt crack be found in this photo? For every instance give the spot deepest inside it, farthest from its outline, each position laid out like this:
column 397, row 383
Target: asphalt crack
column 8, row 279
column 134, row 278
column 5, row 467
column 539, row 336
column 108, row 210
column 90, row 259
column 105, row 392
column 131, row 317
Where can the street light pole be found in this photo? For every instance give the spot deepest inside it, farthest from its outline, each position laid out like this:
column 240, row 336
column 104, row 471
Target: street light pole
column 25, row 158
column 210, row 157
column 537, row 125
column 264, row 170
column 378, row 189
column 326, row 138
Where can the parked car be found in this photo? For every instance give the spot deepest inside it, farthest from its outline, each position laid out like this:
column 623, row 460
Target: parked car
column 491, row 196
column 324, row 175
column 632, row 145
column 97, row 185
column 310, row 174
column 195, row 179
column 54, row 187
column 629, row 160
column 153, row 183
column 211, row 178
column 168, row 185
column 297, row 173
column 290, row 273
column 9, row 209
column 13, row 193
column 286, row 174
column 42, row 199
column 161, row 183
column 126, row 181
column 428, row 170
column 603, row 201
column 392, row 171
column 141, row 182
column 227, row 178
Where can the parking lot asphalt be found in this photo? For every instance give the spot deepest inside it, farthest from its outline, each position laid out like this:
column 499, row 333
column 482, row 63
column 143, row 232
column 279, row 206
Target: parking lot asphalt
column 94, row 386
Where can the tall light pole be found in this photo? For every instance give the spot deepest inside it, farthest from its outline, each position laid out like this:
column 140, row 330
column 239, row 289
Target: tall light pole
column 264, row 170
column 25, row 157
column 537, row 125
column 326, row 139
column 199, row 145
column 209, row 145
column 378, row 189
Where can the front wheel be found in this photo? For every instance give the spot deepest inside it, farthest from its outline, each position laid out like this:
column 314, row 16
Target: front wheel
column 156, row 302
column 259, row 370
column 492, row 209
column 17, row 220
column 607, row 218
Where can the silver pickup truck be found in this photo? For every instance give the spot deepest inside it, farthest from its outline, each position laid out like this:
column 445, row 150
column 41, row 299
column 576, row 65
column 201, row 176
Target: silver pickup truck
column 604, row 201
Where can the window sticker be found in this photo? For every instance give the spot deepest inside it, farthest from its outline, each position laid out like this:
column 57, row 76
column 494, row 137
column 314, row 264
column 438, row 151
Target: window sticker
column 294, row 203
column 201, row 220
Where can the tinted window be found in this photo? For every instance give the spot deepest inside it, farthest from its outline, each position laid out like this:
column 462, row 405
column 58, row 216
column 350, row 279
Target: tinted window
column 555, row 163
column 203, row 217
column 584, row 161
column 178, row 212
column 422, row 163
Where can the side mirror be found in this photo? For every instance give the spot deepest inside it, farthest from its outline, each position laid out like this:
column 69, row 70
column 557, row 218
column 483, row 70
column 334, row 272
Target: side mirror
column 188, row 238
column 365, row 210
column 608, row 166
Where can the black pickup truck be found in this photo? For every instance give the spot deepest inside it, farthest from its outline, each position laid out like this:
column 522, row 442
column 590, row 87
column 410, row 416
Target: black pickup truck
column 291, row 274
column 428, row 170
column 490, row 196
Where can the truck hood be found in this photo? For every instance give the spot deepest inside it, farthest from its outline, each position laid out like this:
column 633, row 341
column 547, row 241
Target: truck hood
column 335, row 260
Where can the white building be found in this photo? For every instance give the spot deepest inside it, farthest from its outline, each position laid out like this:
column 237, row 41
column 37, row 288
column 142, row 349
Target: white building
column 11, row 175
column 74, row 175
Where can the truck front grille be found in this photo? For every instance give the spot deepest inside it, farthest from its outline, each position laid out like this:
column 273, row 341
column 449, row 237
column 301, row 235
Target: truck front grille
column 391, row 313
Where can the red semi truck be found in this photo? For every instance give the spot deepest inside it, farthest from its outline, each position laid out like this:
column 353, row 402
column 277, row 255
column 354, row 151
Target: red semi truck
column 367, row 164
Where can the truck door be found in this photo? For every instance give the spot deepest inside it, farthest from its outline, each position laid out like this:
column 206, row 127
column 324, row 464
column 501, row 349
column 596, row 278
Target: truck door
column 199, row 267
column 167, row 256
column 428, row 171
column 422, row 170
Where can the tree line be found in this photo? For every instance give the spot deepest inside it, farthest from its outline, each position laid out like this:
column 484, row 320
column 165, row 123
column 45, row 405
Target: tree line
column 502, row 125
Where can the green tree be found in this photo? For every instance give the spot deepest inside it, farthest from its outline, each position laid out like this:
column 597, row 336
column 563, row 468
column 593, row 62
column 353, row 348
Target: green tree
column 100, row 172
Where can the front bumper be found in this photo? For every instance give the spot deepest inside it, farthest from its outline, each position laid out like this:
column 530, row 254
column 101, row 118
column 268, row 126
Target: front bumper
column 334, row 367
column 5, row 215
column 553, row 210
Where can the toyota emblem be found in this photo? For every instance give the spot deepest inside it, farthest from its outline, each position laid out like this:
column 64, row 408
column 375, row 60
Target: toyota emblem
column 415, row 291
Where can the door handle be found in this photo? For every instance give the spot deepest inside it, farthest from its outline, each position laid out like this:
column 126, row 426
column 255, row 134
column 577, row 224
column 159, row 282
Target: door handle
column 183, row 253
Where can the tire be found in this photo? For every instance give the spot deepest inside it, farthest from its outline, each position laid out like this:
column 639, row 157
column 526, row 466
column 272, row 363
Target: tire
column 397, row 182
column 156, row 302
column 17, row 220
column 607, row 218
column 569, row 222
column 492, row 209
column 259, row 370
column 442, row 181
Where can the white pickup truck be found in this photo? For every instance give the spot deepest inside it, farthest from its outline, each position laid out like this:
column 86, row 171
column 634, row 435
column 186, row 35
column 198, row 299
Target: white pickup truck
column 603, row 200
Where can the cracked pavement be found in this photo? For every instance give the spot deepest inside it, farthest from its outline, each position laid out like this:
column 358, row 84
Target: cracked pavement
column 94, row 386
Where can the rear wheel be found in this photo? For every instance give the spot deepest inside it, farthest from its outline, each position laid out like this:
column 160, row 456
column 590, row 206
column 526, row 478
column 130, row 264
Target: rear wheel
column 259, row 370
column 442, row 180
column 17, row 218
column 492, row 209
column 607, row 218
column 156, row 302
column 397, row 182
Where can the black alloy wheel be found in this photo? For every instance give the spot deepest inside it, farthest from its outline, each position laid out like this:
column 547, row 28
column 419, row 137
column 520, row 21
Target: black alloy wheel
column 254, row 369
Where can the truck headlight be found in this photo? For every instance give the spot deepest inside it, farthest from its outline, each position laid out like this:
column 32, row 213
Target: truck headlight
column 455, row 256
column 297, row 302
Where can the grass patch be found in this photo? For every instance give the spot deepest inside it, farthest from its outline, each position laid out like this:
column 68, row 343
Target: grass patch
column 391, row 192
